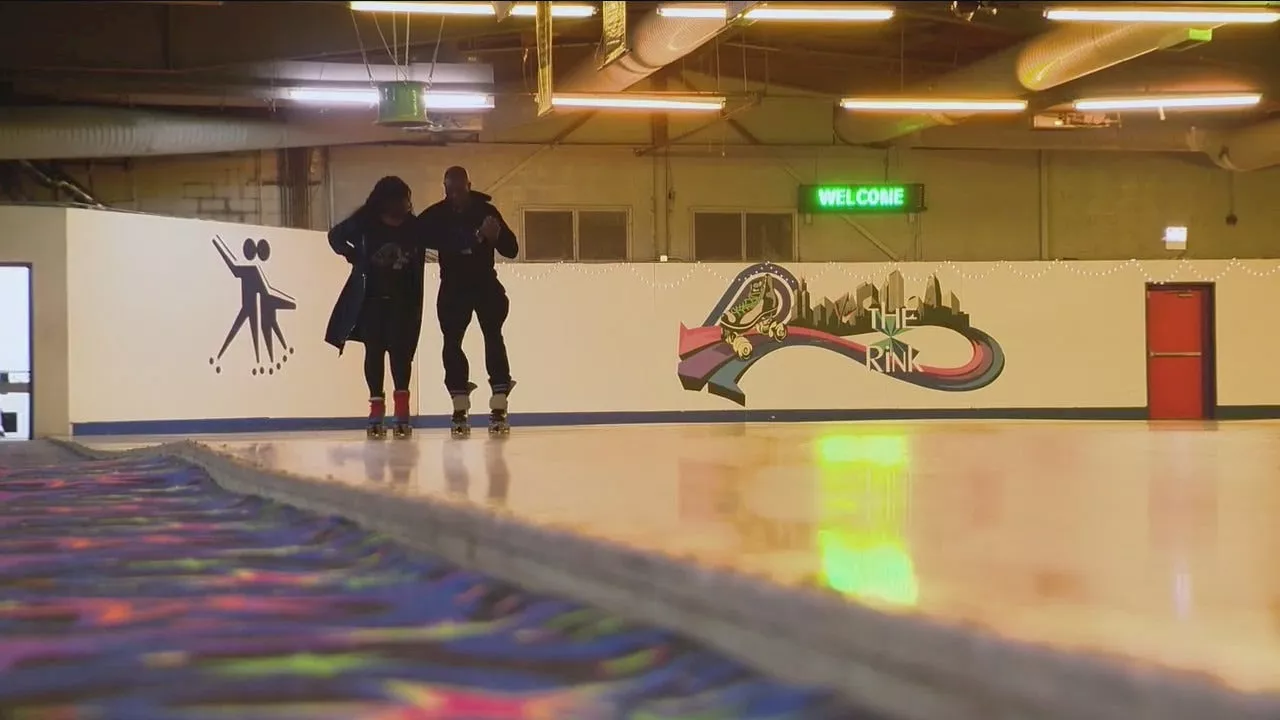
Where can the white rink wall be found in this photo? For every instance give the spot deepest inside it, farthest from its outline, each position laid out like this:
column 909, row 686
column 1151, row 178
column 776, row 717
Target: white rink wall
column 150, row 300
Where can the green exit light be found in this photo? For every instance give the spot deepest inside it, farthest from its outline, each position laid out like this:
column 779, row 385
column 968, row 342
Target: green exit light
column 859, row 199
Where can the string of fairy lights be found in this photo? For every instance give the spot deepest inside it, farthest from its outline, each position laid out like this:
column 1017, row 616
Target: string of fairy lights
column 1151, row 271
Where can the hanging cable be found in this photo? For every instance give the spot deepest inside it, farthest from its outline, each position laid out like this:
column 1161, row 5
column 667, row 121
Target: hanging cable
column 390, row 53
column 408, row 20
column 435, row 54
column 364, row 55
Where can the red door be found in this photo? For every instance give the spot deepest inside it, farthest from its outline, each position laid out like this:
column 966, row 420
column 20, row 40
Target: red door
column 1176, row 331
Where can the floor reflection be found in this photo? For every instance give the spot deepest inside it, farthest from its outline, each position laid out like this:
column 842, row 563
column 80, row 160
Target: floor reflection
column 1126, row 539
column 496, row 473
column 865, row 509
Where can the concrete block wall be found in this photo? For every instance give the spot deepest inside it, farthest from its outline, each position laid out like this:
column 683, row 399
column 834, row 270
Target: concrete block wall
column 239, row 202
column 232, row 187
column 235, row 187
column 983, row 204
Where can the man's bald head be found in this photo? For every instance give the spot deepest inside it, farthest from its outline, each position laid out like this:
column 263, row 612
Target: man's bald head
column 457, row 186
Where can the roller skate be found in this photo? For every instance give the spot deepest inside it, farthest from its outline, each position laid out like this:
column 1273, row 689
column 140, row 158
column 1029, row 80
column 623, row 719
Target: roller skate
column 377, row 429
column 498, row 424
column 460, row 421
column 404, row 420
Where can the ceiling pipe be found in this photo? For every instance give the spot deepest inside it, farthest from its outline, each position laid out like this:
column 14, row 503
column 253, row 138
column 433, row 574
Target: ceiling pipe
column 655, row 42
column 1254, row 147
column 296, row 71
column 65, row 133
column 47, row 179
column 1066, row 53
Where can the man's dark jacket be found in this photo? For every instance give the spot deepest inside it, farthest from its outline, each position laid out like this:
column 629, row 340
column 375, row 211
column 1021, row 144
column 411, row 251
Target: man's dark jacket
column 466, row 260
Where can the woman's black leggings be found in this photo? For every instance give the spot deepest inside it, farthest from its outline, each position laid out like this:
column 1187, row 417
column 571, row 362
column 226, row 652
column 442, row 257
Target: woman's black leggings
column 387, row 332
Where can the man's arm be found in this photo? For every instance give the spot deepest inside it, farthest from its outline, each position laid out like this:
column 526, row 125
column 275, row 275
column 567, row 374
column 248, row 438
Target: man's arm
column 224, row 252
column 505, row 243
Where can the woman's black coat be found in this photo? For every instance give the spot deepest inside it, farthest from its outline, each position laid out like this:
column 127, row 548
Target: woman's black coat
column 347, row 238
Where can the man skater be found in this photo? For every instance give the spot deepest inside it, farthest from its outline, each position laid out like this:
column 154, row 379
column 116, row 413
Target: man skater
column 465, row 229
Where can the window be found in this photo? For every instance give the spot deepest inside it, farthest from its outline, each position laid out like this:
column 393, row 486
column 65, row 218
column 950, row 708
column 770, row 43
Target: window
column 743, row 236
column 596, row 235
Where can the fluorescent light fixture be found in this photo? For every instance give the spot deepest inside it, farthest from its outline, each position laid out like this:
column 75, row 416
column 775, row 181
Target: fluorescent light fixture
column 931, row 105
column 334, row 96
column 1153, row 13
column 445, row 100
column 558, row 10
column 368, row 97
column 478, row 9
column 780, row 11
column 691, row 11
column 637, row 101
column 1170, row 102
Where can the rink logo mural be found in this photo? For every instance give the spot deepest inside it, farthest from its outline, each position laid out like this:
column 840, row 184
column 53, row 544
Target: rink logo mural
column 767, row 308
column 260, row 305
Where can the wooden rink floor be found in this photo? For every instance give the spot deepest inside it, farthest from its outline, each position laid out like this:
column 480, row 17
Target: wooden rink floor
column 1156, row 543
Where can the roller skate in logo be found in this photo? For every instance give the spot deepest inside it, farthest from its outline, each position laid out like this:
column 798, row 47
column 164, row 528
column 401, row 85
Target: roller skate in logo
column 759, row 307
column 877, row 326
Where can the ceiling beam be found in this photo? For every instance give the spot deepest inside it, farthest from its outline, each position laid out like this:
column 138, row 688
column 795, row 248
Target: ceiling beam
column 177, row 38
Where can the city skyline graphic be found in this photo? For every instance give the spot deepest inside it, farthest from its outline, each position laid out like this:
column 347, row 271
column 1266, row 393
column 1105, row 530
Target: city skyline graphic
column 766, row 308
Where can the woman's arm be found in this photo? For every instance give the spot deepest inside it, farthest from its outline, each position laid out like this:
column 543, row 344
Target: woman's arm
column 426, row 230
column 344, row 238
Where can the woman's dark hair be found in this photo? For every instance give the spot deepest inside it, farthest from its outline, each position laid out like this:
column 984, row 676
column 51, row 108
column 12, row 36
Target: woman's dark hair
column 386, row 191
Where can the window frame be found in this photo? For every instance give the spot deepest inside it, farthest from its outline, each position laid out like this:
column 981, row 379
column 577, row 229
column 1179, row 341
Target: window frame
column 742, row 243
column 577, row 247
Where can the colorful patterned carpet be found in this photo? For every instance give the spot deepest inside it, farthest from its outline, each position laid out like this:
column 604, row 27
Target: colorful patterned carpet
column 137, row 589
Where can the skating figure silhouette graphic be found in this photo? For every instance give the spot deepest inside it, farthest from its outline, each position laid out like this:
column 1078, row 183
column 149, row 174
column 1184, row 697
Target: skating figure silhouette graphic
column 259, row 306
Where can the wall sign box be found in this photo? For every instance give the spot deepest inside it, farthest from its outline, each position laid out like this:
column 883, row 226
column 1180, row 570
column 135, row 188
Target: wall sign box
column 861, row 199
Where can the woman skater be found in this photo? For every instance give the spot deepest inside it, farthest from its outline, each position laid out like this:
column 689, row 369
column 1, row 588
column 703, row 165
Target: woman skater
column 381, row 303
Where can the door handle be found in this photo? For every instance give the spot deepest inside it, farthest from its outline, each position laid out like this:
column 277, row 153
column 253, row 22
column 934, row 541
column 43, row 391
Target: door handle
column 1173, row 354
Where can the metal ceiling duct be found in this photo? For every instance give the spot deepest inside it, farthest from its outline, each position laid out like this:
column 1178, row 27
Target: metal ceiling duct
column 303, row 71
column 655, row 42
column 1250, row 148
column 1066, row 53
column 64, row 133
column 57, row 133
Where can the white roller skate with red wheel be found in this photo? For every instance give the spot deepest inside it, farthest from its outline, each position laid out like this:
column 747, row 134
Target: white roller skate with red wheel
column 498, row 423
column 460, row 421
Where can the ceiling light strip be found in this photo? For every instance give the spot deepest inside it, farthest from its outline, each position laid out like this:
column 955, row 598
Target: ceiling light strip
column 368, row 97
column 1157, row 14
column 635, row 101
column 932, row 105
column 1170, row 102
column 834, row 12
column 474, row 9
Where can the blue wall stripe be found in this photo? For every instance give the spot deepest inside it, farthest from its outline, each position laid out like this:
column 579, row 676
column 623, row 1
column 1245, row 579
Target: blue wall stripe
column 264, row 425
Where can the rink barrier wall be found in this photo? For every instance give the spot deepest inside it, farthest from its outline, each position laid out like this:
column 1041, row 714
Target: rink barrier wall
column 229, row 426
column 907, row 668
column 480, row 420
column 149, row 302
